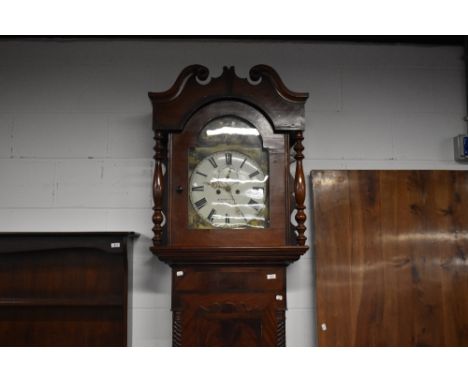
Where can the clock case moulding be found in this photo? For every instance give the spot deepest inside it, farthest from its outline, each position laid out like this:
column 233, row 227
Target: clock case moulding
column 173, row 109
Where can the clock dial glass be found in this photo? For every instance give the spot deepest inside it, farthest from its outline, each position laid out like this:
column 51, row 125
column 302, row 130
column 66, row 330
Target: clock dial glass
column 228, row 177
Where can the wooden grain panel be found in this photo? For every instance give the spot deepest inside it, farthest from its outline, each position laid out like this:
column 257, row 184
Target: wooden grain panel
column 229, row 279
column 455, row 267
column 391, row 257
column 333, row 281
column 397, row 273
column 228, row 305
column 64, row 289
column 61, row 326
column 231, row 319
column 366, row 308
column 61, row 272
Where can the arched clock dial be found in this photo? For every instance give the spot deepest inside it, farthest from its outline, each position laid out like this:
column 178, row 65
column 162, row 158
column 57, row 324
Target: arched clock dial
column 228, row 190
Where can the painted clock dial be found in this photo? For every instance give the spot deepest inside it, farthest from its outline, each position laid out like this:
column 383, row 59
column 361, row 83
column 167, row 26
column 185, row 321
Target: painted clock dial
column 228, row 190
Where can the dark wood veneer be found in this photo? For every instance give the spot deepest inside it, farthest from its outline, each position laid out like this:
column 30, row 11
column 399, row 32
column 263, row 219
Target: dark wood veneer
column 229, row 305
column 63, row 289
column 178, row 116
column 391, row 252
column 222, row 255
column 221, row 295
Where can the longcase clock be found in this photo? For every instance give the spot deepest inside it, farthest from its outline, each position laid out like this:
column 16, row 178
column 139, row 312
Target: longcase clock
column 225, row 200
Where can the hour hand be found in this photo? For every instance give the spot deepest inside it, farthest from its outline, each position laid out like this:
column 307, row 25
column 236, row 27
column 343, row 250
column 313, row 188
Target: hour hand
column 212, row 184
column 216, row 185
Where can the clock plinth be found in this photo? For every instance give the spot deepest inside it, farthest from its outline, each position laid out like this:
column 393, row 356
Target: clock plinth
column 223, row 201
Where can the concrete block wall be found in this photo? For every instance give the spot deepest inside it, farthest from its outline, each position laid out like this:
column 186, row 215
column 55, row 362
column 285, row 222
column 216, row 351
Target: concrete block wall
column 76, row 140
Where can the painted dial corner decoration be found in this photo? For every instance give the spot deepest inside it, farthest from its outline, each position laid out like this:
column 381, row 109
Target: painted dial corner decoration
column 228, row 189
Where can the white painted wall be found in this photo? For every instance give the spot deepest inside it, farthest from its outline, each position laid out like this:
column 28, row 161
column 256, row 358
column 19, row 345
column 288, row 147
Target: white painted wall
column 76, row 140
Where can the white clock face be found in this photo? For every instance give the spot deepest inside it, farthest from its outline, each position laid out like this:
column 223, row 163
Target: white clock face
column 228, row 190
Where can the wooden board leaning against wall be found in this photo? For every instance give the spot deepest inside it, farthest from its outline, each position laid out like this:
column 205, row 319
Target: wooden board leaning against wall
column 391, row 253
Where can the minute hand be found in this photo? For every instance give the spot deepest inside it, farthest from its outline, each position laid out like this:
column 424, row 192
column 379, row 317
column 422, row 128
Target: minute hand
column 236, row 207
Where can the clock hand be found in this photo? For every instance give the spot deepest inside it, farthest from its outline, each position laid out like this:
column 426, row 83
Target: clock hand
column 211, row 184
column 237, row 207
column 224, row 185
column 218, row 185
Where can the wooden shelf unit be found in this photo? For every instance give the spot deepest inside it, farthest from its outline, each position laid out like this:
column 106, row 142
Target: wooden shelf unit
column 64, row 288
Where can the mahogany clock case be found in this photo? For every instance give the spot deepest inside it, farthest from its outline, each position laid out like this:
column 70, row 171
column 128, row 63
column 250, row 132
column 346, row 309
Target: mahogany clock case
column 229, row 305
column 180, row 113
column 228, row 285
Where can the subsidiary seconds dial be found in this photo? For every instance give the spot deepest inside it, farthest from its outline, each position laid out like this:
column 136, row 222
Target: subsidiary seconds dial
column 228, row 190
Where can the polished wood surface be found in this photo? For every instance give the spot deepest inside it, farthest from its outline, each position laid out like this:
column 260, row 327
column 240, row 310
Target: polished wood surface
column 180, row 113
column 158, row 188
column 299, row 189
column 224, row 297
column 391, row 253
column 194, row 88
column 63, row 289
column 229, row 306
column 283, row 255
